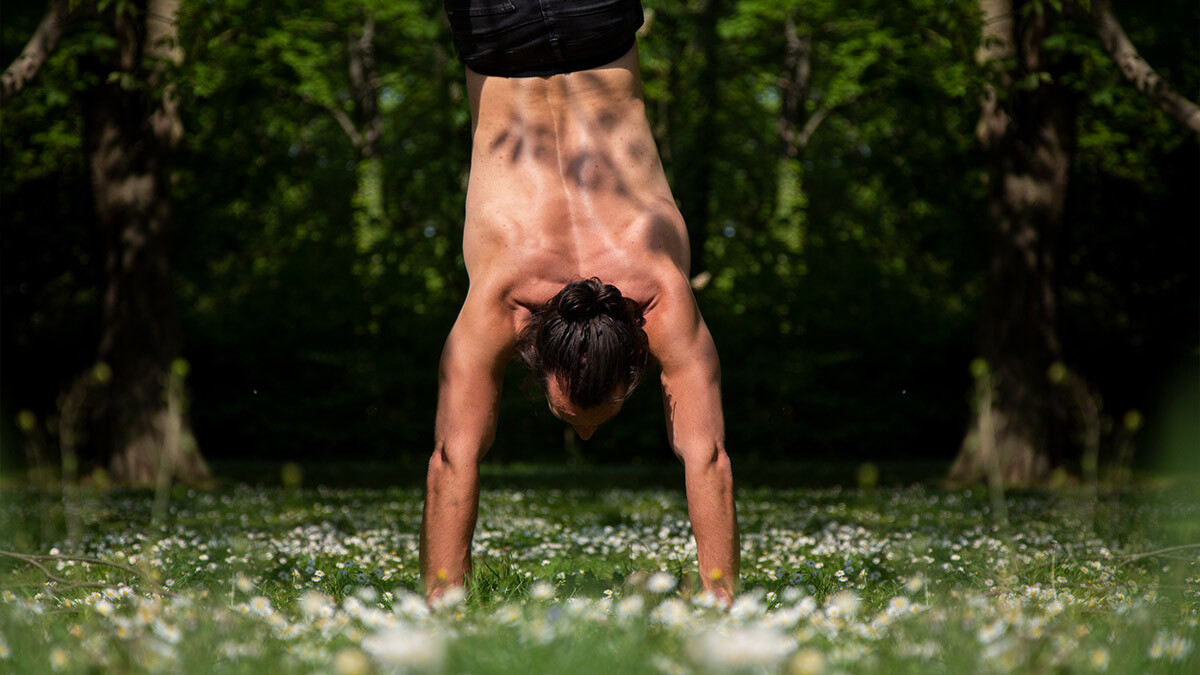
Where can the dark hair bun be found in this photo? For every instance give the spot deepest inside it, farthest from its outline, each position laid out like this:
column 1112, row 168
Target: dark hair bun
column 589, row 298
column 589, row 338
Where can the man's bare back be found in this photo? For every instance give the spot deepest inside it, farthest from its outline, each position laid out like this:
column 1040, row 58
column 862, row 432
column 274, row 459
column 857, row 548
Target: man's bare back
column 566, row 184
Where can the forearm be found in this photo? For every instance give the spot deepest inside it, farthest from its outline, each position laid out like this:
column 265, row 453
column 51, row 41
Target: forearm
column 714, row 522
column 451, row 507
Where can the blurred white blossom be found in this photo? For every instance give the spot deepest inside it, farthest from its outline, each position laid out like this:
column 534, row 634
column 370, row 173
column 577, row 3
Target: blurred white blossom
column 403, row 646
column 661, row 582
column 541, row 591
column 740, row 648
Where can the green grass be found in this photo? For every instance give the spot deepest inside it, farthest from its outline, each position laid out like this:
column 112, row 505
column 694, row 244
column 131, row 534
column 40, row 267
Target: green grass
column 896, row 579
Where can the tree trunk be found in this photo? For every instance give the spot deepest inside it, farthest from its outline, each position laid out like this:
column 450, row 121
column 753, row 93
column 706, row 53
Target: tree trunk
column 795, row 127
column 364, row 85
column 1027, row 128
column 367, row 201
column 790, row 126
column 132, row 124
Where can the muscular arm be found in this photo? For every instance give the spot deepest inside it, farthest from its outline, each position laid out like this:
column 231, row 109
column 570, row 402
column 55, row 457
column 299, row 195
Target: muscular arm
column 469, row 380
column 691, row 380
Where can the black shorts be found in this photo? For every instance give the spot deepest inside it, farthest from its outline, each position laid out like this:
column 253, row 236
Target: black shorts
column 535, row 38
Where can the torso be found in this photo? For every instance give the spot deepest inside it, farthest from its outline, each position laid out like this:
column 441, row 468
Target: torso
column 566, row 183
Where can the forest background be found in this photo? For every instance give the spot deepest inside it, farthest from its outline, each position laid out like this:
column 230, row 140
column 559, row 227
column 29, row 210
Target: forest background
column 281, row 287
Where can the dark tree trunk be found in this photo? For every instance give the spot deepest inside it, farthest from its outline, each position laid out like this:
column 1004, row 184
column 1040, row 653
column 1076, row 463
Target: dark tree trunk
column 791, row 125
column 795, row 127
column 797, row 73
column 364, row 84
column 132, row 124
column 1027, row 128
column 365, row 131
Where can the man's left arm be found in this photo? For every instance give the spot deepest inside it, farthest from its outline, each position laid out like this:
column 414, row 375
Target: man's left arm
column 691, row 381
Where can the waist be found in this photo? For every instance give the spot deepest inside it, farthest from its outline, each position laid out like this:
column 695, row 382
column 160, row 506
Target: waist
column 538, row 38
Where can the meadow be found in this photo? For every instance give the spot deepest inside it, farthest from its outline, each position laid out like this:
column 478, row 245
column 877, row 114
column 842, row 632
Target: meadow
column 593, row 572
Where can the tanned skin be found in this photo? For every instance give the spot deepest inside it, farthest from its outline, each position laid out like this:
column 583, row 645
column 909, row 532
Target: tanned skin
column 566, row 183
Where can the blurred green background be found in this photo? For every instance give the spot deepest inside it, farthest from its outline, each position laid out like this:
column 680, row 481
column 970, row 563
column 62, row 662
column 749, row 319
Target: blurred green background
column 316, row 274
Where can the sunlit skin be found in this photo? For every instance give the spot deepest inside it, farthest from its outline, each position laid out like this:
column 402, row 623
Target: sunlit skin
column 566, row 184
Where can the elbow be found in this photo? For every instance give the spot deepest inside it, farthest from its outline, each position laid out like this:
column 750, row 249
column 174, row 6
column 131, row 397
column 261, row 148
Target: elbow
column 441, row 467
column 709, row 473
column 445, row 464
column 438, row 462
column 720, row 462
column 707, row 459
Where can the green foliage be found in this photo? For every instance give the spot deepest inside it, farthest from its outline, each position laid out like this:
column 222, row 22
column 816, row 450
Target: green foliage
column 316, row 283
column 871, row 265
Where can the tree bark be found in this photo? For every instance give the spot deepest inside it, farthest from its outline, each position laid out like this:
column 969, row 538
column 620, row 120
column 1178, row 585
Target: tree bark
column 795, row 127
column 1027, row 128
column 365, row 84
column 367, row 201
column 131, row 126
column 1137, row 71
column 792, row 124
column 39, row 48
column 797, row 73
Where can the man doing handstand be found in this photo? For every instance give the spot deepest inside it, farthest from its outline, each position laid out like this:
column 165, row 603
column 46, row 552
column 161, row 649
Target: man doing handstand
column 567, row 202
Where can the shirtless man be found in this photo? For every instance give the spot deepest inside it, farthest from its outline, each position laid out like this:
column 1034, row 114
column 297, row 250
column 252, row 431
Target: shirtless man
column 567, row 203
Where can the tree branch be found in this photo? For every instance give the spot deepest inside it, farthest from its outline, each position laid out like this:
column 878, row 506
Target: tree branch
column 810, row 127
column 814, row 121
column 338, row 116
column 23, row 68
column 1137, row 71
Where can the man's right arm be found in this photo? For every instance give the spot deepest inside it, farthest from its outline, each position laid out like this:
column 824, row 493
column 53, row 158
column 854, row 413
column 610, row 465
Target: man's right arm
column 691, row 384
column 469, row 381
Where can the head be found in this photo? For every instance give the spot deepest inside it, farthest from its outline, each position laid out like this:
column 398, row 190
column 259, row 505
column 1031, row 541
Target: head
column 586, row 348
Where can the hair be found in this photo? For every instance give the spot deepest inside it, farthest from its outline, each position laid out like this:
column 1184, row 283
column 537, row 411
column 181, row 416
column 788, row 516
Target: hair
column 589, row 338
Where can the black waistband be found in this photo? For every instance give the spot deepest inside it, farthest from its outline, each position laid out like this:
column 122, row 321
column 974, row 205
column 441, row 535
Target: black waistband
column 559, row 67
column 537, row 38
